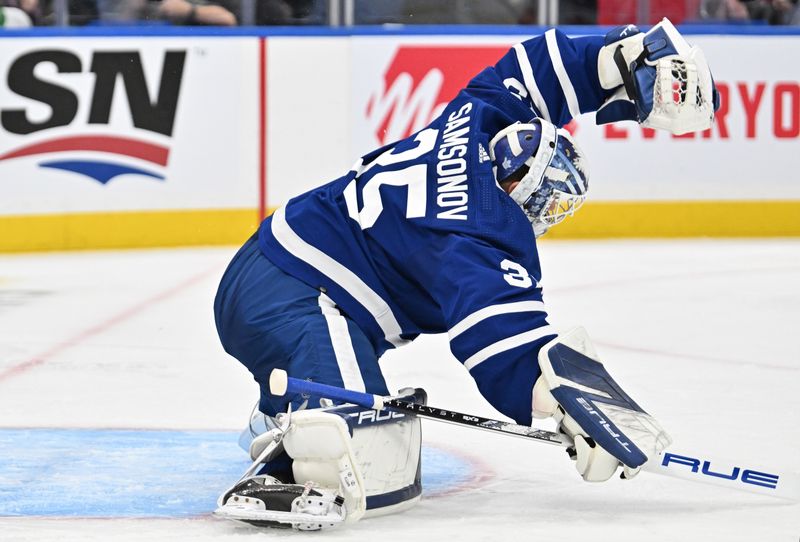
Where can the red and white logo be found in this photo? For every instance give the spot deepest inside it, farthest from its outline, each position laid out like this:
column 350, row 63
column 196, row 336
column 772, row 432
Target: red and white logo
column 418, row 83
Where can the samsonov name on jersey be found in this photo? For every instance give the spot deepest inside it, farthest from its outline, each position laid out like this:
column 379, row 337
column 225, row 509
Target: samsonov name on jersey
column 452, row 187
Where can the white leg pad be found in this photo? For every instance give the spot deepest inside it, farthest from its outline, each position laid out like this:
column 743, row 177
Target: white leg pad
column 388, row 454
column 376, row 470
column 320, row 445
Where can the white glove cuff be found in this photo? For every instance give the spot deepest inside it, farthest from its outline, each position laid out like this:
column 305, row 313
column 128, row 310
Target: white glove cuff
column 607, row 69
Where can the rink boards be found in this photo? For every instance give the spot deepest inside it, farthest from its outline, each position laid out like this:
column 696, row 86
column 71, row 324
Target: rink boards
column 192, row 136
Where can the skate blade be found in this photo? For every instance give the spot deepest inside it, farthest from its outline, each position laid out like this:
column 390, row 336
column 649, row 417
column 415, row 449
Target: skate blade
column 272, row 518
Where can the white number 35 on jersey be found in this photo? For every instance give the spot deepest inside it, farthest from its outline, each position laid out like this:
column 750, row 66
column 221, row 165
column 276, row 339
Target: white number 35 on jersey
column 517, row 275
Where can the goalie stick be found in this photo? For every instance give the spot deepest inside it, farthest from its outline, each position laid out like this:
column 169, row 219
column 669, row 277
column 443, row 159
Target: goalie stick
column 688, row 466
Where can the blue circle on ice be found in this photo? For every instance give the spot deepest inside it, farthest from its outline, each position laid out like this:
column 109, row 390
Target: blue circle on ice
column 444, row 471
column 145, row 473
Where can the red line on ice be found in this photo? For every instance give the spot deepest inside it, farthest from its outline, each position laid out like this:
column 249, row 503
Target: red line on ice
column 103, row 326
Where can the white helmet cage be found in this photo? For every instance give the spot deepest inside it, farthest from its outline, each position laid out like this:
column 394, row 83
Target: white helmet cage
column 556, row 181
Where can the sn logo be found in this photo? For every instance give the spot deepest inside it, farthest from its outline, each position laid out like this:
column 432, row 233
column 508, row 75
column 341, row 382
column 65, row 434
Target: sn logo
column 154, row 115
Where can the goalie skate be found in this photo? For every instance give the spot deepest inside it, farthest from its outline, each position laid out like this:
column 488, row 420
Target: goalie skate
column 264, row 501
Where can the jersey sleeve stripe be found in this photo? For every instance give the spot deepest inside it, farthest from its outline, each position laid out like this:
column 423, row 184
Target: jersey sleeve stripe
column 493, row 310
column 339, row 274
column 351, row 201
column 342, row 345
column 507, row 344
column 530, row 82
column 561, row 73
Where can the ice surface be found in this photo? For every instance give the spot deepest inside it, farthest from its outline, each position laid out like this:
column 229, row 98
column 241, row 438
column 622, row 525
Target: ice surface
column 122, row 344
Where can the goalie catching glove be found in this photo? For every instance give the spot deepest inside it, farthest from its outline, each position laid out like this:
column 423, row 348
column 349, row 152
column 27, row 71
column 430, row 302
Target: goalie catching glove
column 608, row 428
column 661, row 81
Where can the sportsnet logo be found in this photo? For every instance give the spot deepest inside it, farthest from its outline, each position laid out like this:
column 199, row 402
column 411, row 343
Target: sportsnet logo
column 418, row 83
column 95, row 155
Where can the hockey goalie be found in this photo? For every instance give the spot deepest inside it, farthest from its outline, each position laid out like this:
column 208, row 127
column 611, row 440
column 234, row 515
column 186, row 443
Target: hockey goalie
column 437, row 233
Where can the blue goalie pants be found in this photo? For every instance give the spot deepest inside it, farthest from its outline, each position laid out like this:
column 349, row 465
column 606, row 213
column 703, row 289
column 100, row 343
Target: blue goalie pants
column 267, row 319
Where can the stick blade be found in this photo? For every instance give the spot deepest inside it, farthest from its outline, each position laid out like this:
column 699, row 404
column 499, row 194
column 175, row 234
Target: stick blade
column 699, row 467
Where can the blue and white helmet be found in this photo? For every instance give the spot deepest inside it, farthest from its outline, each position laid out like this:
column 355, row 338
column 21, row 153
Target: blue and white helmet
column 556, row 181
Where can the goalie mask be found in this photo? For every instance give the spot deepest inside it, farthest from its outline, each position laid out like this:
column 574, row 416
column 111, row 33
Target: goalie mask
column 552, row 172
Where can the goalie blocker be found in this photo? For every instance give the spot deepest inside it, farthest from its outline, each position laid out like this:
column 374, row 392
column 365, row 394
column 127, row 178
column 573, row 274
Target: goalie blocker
column 609, row 428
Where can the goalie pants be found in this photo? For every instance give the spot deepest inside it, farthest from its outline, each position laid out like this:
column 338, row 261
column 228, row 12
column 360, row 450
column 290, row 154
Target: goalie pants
column 267, row 319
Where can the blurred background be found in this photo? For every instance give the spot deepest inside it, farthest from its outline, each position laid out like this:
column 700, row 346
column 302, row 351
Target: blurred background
column 371, row 12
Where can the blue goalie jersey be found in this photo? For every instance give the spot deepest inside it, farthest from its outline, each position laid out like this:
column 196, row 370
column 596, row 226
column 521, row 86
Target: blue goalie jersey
column 419, row 238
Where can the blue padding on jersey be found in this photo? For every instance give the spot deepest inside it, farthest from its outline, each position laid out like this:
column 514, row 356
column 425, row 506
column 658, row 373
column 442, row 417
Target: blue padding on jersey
column 581, row 369
column 576, row 367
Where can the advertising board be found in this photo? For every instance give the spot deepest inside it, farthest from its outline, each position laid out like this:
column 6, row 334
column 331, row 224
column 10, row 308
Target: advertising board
column 95, row 129
column 112, row 141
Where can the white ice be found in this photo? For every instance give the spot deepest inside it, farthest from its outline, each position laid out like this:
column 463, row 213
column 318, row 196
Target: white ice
column 704, row 334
